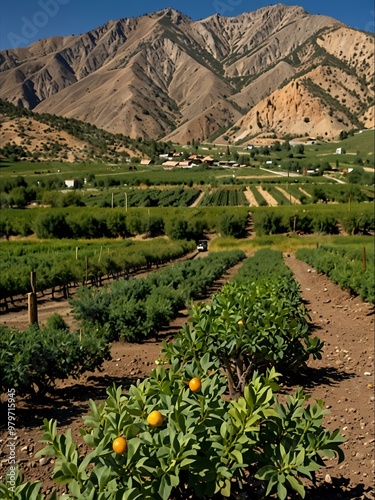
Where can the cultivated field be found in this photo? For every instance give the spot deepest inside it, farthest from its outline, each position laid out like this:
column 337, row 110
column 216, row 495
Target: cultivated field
column 282, row 300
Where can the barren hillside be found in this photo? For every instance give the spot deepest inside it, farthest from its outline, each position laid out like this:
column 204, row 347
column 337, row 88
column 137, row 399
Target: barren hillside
column 164, row 75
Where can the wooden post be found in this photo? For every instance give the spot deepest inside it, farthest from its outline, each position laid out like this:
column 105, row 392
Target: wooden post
column 112, row 200
column 364, row 266
column 32, row 301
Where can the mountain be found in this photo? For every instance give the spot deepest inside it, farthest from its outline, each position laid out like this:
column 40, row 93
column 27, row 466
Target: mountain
column 164, row 76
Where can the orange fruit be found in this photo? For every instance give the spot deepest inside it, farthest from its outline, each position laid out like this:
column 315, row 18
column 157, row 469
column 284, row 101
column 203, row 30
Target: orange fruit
column 195, row 384
column 240, row 322
column 119, row 445
column 155, row 419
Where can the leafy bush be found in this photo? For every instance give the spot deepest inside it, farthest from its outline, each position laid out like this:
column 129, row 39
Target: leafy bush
column 136, row 309
column 177, row 229
column 269, row 223
column 31, row 361
column 205, row 447
column 52, row 225
column 234, row 225
column 248, row 326
column 56, row 322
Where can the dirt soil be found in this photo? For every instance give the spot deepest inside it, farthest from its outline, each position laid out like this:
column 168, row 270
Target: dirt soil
column 344, row 379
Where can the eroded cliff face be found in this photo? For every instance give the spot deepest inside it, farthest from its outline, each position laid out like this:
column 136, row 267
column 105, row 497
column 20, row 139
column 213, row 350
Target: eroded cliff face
column 163, row 75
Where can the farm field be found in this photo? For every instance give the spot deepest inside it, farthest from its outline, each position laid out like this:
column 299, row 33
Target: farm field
column 343, row 322
column 110, row 222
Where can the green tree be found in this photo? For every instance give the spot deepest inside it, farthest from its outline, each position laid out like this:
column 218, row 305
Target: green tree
column 51, row 225
column 177, row 229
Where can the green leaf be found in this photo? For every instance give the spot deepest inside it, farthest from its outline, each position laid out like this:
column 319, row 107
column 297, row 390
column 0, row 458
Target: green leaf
column 281, row 491
column 296, row 484
column 266, row 472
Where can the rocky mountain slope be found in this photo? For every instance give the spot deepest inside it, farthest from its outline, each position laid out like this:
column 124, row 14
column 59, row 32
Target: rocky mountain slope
column 163, row 75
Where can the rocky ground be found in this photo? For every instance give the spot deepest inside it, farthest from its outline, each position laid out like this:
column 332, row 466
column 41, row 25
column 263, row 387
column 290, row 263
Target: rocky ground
column 344, row 379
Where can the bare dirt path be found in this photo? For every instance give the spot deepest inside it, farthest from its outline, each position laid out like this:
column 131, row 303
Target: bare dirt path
column 266, row 195
column 250, row 197
column 305, row 192
column 288, row 196
column 198, row 200
column 343, row 379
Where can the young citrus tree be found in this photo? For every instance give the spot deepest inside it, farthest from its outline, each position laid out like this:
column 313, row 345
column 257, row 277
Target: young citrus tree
column 248, row 327
column 163, row 440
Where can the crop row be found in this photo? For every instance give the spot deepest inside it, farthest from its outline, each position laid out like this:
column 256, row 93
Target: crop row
column 136, row 309
column 180, row 438
column 258, row 197
column 96, row 222
column 264, row 300
column 58, row 264
column 353, row 219
column 132, row 309
column 224, row 197
column 351, row 268
column 310, row 193
column 150, row 197
column 339, row 193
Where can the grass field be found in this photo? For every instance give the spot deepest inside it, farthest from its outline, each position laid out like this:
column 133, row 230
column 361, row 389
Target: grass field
column 292, row 243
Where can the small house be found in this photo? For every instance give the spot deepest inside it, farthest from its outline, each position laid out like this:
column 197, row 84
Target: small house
column 208, row 160
column 185, row 164
column 70, row 183
column 170, row 163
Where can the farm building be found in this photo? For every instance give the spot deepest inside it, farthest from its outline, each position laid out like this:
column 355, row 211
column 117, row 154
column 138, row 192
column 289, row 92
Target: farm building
column 70, row 183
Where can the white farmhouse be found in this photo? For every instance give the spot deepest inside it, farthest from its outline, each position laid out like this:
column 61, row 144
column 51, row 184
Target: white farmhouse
column 70, row 183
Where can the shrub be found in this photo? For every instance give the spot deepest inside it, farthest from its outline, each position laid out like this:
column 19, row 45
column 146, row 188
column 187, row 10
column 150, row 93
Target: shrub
column 205, row 447
column 31, row 361
column 51, row 225
column 56, row 322
column 233, row 225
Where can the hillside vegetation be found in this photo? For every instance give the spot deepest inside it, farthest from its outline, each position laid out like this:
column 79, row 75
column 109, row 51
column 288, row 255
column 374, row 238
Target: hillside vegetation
column 25, row 134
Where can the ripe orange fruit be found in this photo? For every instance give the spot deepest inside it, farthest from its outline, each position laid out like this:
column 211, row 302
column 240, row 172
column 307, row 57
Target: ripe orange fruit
column 155, row 419
column 195, row 384
column 119, row 445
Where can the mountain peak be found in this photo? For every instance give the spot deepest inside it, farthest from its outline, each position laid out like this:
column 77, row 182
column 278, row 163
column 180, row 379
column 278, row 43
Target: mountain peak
column 174, row 15
column 163, row 75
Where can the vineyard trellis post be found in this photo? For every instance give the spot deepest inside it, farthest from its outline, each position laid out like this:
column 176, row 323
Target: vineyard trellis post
column 32, row 301
column 364, row 267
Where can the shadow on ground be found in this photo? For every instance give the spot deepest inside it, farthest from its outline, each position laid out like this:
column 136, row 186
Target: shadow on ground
column 339, row 489
column 65, row 404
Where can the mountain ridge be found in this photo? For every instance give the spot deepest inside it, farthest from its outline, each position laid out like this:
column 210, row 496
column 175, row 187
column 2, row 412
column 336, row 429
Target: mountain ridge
column 165, row 76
